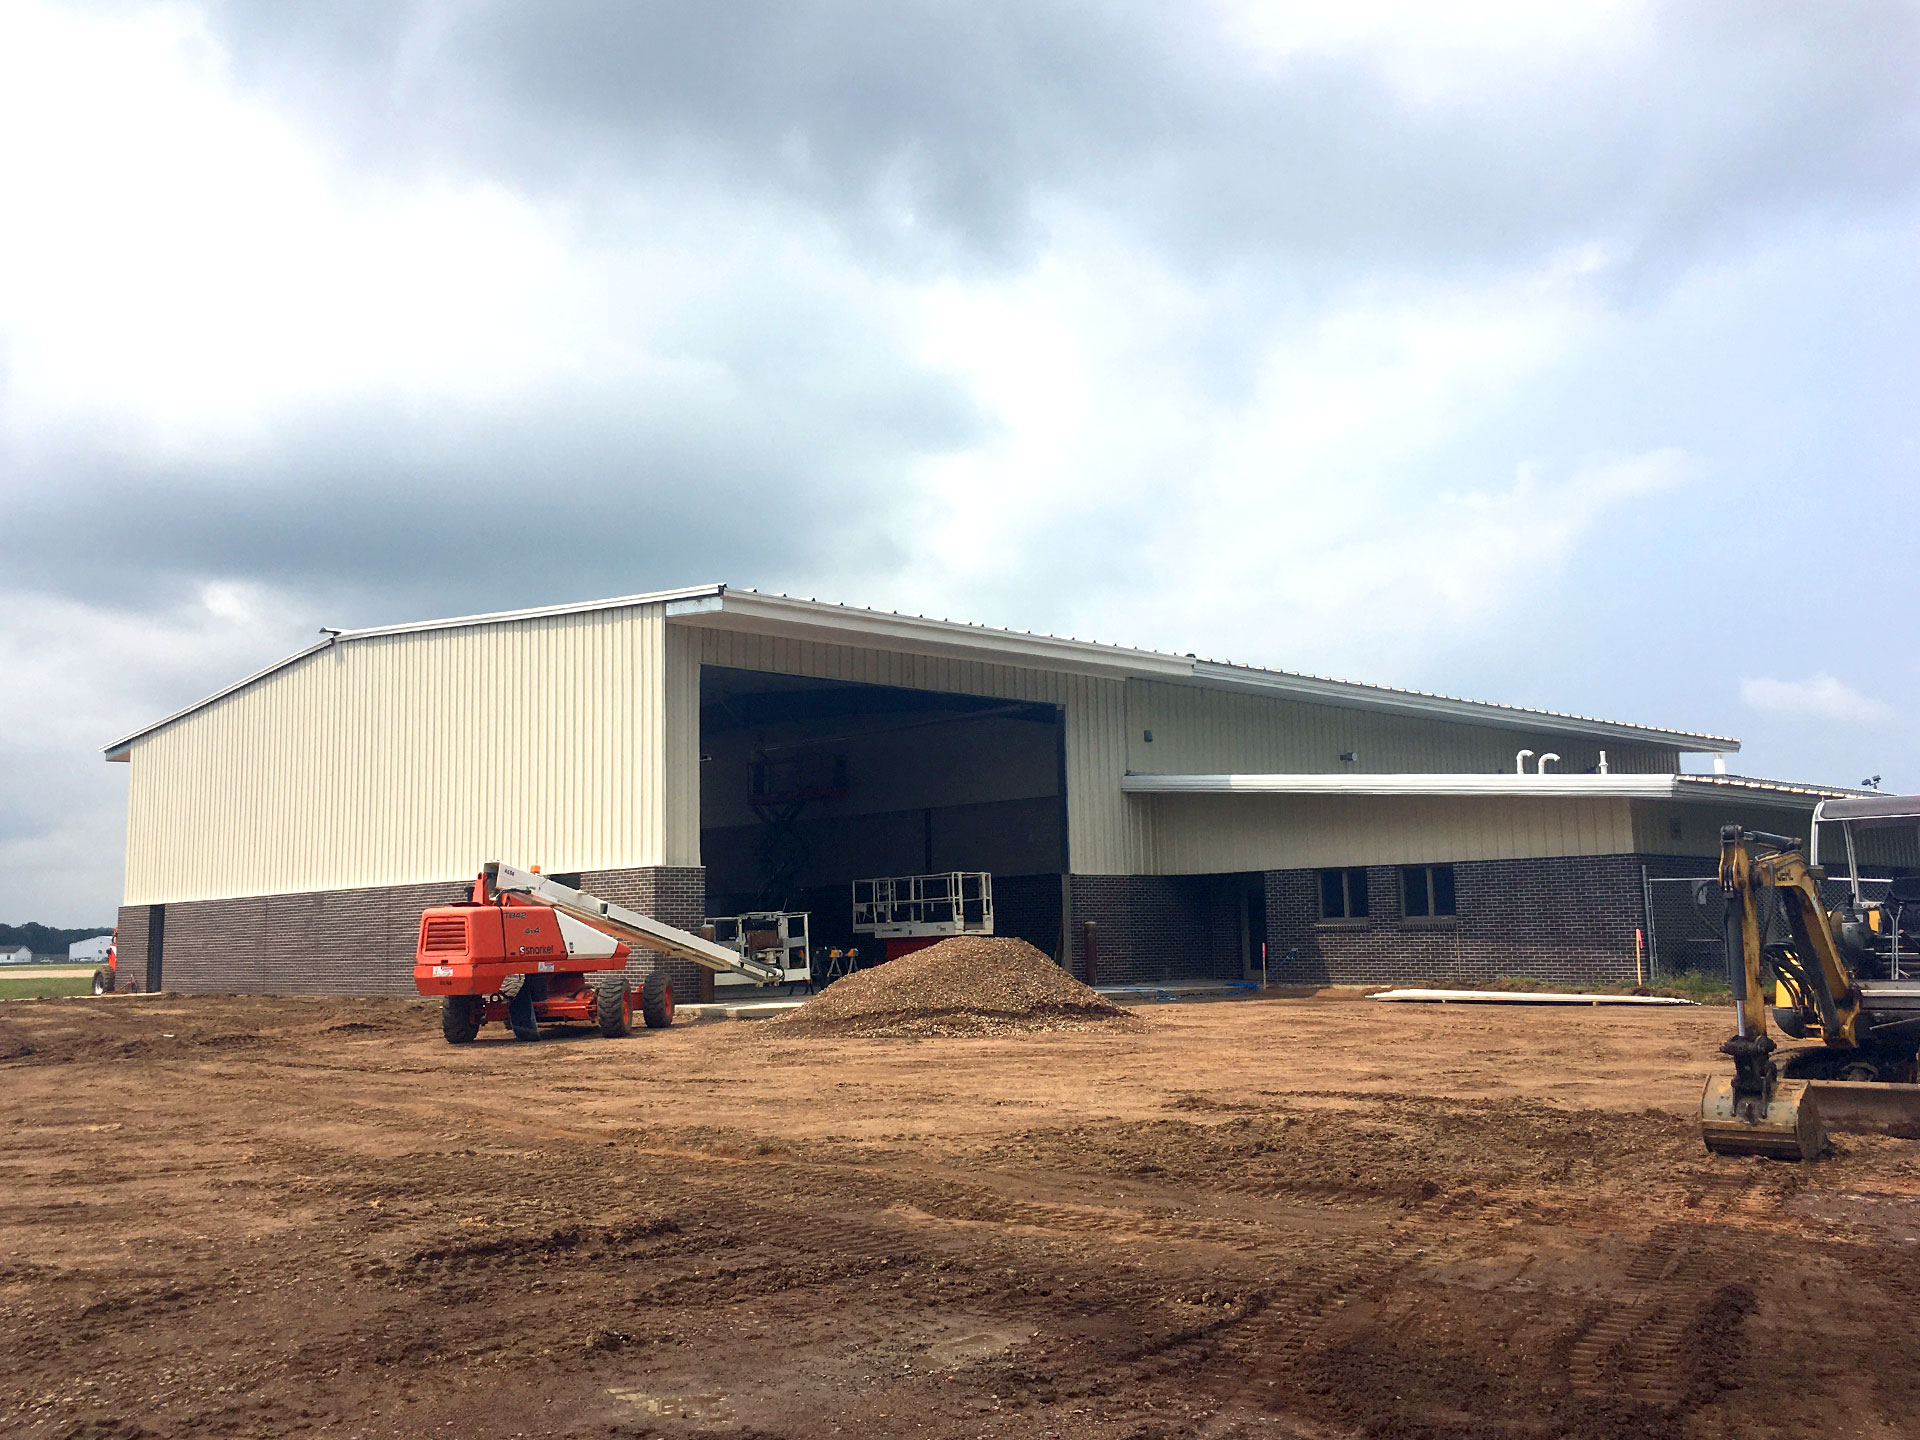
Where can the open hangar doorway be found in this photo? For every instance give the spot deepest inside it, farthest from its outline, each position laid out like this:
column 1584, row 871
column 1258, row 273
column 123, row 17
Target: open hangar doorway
column 807, row 785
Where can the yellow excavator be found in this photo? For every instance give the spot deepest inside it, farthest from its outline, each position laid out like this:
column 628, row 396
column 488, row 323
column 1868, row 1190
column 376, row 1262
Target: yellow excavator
column 1848, row 979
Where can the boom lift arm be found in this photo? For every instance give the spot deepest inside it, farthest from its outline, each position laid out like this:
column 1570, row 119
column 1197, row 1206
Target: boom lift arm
column 630, row 926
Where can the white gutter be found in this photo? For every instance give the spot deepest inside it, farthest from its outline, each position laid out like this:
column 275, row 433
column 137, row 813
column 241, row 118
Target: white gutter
column 1531, row 785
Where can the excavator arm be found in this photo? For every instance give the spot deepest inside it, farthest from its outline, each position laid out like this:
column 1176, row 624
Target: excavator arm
column 1760, row 884
column 1754, row 1111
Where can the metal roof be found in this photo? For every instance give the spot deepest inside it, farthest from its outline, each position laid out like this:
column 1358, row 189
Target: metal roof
column 1868, row 807
column 722, row 607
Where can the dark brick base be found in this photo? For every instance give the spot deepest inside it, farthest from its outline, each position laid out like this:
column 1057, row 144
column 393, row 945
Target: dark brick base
column 1568, row 919
column 353, row 942
column 130, row 948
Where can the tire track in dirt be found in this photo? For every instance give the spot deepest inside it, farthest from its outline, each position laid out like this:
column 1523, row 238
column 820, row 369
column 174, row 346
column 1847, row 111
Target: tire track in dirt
column 1637, row 1347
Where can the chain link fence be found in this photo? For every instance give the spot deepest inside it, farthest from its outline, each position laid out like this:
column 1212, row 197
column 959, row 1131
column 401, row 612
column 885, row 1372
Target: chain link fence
column 1683, row 921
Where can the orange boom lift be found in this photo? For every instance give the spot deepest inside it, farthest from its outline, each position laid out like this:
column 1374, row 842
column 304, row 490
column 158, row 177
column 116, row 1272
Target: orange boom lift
column 519, row 927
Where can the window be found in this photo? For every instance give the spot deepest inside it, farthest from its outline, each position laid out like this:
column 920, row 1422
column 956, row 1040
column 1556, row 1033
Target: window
column 1343, row 894
column 1426, row 891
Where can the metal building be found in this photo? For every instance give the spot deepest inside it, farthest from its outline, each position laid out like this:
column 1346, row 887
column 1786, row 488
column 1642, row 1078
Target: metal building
column 700, row 751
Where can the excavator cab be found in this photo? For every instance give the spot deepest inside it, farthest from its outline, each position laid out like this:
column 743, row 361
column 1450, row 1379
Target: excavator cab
column 1878, row 922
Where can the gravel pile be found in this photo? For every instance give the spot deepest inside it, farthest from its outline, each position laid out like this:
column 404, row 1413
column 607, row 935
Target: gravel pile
column 969, row 985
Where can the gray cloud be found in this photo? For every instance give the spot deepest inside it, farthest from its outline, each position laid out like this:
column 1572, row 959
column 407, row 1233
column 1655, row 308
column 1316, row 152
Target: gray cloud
column 556, row 496
column 937, row 134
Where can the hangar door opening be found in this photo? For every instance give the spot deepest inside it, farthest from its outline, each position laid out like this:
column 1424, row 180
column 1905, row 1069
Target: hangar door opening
column 809, row 785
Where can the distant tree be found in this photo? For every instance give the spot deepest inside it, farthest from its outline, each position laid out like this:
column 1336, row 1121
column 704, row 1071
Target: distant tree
column 44, row 939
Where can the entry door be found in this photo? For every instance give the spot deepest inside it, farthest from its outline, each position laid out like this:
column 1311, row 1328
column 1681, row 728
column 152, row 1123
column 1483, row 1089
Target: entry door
column 156, row 945
column 1253, row 929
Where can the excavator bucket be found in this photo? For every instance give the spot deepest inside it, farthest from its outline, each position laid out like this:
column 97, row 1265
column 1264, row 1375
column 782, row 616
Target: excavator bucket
column 1789, row 1129
column 1865, row 1107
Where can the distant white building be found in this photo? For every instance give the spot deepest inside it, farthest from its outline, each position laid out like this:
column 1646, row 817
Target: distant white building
column 15, row 955
column 90, row 952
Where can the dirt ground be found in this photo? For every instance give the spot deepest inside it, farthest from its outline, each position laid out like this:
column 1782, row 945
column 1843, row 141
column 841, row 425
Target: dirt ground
column 1277, row 1217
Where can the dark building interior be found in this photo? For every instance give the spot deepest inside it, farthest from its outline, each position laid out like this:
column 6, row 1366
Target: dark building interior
column 807, row 785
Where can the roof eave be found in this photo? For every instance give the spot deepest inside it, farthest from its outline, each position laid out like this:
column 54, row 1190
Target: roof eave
column 119, row 750
column 1354, row 695
column 784, row 617
column 716, row 606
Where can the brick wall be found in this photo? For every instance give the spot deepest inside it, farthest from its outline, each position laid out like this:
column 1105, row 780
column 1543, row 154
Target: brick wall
column 1157, row 928
column 1567, row 919
column 349, row 942
column 130, row 949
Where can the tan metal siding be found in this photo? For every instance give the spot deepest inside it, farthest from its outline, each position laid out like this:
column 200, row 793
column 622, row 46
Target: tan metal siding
column 1201, row 731
column 1106, row 830
column 1668, row 827
column 409, row 758
column 1216, row 834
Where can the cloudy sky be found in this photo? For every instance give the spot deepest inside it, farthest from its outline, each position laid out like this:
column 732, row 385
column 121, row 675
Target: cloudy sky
column 1556, row 354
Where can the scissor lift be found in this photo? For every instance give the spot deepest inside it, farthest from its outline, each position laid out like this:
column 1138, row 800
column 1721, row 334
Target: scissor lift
column 911, row 912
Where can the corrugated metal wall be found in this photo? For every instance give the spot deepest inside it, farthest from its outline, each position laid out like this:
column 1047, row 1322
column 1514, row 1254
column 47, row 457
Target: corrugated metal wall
column 1201, row 731
column 1107, row 831
column 415, row 757
column 1216, row 834
column 572, row 742
column 1669, row 827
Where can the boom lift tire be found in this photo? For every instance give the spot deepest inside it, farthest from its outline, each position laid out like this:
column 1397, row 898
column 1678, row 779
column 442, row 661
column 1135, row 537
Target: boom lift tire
column 611, row 1007
column 656, row 1001
column 460, row 1018
column 102, row 983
